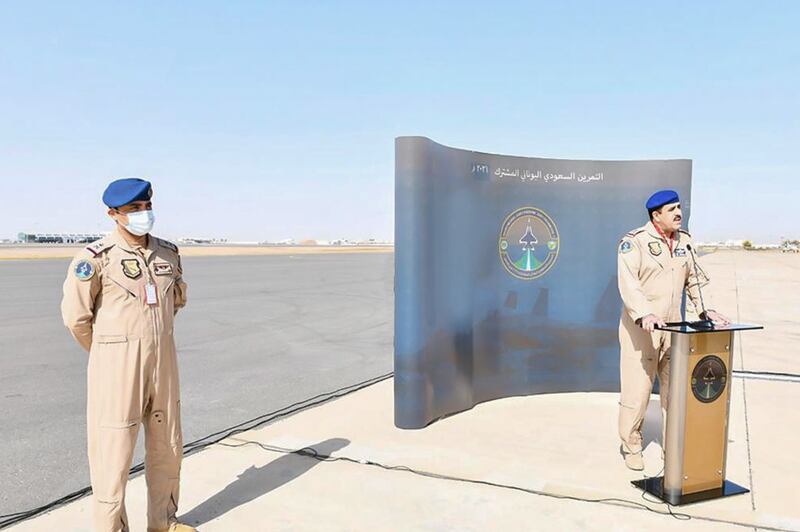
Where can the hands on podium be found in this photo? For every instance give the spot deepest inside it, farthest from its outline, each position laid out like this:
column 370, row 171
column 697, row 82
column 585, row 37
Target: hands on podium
column 650, row 321
column 717, row 318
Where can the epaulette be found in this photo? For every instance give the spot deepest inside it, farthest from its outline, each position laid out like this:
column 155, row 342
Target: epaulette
column 684, row 232
column 633, row 233
column 100, row 246
column 167, row 244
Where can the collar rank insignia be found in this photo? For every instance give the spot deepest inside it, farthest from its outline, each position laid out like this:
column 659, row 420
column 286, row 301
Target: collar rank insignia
column 162, row 268
column 131, row 268
column 655, row 248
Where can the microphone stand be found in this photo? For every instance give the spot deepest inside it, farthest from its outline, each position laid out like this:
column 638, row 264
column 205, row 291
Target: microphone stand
column 704, row 323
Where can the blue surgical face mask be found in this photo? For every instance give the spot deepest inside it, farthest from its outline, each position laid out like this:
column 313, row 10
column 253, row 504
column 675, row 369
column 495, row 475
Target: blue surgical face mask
column 140, row 222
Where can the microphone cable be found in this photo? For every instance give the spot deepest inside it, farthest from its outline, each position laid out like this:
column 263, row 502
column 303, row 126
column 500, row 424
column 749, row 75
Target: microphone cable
column 8, row 520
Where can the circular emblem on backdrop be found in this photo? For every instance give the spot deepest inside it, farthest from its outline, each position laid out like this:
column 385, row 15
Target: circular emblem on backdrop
column 528, row 243
column 709, row 378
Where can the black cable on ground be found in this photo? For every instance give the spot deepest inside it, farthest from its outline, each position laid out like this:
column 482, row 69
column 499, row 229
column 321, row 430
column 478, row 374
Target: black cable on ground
column 199, row 444
column 771, row 375
column 317, row 400
column 310, row 452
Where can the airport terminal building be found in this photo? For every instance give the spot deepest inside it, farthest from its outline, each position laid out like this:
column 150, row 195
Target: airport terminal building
column 59, row 238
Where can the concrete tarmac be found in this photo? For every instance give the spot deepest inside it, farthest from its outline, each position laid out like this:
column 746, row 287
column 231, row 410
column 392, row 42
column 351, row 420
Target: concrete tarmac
column 258, row 333
column 561, row 448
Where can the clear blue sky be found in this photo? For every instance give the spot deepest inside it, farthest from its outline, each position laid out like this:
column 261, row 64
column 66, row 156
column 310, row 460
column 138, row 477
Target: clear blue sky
column 261, row 120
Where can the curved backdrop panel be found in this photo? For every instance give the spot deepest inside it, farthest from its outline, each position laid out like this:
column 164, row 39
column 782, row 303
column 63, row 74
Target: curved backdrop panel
column 505, row 272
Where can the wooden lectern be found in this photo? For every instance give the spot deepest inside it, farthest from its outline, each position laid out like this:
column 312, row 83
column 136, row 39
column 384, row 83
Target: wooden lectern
column 697, row 417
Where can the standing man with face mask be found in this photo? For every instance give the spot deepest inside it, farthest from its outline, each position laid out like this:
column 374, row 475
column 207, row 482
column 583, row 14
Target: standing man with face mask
column 120, row 298
column 655, row 263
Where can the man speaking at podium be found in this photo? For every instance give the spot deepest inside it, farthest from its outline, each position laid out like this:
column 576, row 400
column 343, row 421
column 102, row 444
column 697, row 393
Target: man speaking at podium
column 655, row 263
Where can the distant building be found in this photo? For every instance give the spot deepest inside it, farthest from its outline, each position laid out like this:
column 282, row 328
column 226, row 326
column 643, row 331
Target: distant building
column 730, row 244
column 738, row 244
column 201, row 240
column 59, row 238
column 788, row 247
column 336, row 242
column 285, row 242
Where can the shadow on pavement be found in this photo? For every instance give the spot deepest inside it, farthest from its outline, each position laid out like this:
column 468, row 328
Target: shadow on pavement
column 257, row 481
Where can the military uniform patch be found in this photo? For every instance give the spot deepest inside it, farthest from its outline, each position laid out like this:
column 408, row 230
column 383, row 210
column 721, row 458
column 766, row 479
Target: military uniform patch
column 625, row 247
column 655, row 248
column 84, row 270
column 131, row 268
column 162, row 268
column 100, row 246
column 680, row 252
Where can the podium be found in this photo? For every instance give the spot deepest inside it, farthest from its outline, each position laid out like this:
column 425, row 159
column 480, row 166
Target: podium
column 696, row 444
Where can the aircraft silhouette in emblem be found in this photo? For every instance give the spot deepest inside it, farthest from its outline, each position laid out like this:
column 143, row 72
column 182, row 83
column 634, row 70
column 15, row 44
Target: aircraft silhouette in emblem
column 528, row 239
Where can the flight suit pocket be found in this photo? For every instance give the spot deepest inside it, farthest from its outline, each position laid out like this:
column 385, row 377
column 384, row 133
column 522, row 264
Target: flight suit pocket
column 129, row 287
column 157, row 424
column 165, row 293
column 114, row 375
column 111, row 339
column 166, row 286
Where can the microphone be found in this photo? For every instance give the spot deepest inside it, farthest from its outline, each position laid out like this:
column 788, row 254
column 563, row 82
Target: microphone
column 704, row 323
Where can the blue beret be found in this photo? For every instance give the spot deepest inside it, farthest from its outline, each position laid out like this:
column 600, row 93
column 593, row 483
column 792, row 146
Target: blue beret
column 124, row 191
column 661, row 198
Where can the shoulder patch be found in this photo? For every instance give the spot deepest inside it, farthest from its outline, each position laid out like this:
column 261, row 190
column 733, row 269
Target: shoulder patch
column 100, row 246
column 167, row 244
column 84, row 270
column 625, row 246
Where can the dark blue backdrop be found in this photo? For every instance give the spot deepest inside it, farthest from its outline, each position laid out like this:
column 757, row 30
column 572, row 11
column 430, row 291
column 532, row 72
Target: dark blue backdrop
column 469, row 329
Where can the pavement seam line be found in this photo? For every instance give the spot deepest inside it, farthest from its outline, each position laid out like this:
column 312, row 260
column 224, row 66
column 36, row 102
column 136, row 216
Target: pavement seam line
column 744, row 396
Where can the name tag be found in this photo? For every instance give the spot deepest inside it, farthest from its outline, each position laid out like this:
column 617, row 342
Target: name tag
column 162, row 268
column 150, row 294
column 680, row 252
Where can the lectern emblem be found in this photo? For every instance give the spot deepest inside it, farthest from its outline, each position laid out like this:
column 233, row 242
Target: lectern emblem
column 709, row 378
column 528, row 243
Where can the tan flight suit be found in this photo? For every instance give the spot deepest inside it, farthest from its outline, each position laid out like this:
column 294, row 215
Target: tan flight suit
column 133, row 370
column 651, row 281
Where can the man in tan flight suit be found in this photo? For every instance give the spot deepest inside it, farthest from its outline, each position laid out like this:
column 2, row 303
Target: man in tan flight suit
column 655, row 264
column 120, row 298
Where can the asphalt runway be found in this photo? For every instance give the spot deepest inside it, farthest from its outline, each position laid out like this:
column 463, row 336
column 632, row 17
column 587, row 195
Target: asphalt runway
column 258, row 333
